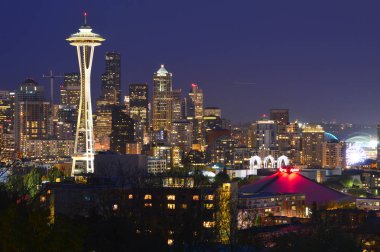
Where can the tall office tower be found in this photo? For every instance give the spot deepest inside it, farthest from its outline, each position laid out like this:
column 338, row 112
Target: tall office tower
column 122, row 130
column 84, row 41
column 195, row 111
column 32, row 113
column 294, row 132
column 139, row 109
column 68, row 109
column 196, row 100
column 181, row 135
column 176, row 105
column 110, row 96
column 312, row 140
column 139, row 102
column 6, row 111
column 162, row 100
column 334, row 154
column 281, row 118
column 70, row 90
column 111, row 80
column 264, row 136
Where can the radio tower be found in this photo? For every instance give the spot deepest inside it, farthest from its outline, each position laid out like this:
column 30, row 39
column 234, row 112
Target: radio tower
column 85, row 41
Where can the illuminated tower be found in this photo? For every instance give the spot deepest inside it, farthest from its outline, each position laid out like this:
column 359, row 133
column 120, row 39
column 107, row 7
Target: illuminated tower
column 85, row 41
column 162, row 100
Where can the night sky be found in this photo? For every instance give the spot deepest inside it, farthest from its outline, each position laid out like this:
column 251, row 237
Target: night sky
column 320, row 59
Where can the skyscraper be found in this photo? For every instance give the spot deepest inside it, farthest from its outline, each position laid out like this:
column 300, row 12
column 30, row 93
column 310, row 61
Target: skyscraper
column 281, row 118
column 32, row 113
column 312, row 140
column 85, row 41
column 162, row 100
column 111, row 80
column 139, row 102
column 264, row 136
column 68, row 109
column 176, row 104
column 196, row 99
column 70, row 90
column 122, row 130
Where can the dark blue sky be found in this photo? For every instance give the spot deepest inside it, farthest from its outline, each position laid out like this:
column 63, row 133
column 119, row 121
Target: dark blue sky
column 320, row 59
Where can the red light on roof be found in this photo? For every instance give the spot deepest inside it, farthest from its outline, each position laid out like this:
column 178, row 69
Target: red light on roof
column 289, row 169
column 193, row 85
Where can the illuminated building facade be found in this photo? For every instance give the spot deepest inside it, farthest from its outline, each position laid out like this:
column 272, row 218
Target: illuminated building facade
column 281, row 118
column 49, row 149
column 254, row 205
column 196, row 102
column 182, row 135
column 70, row 90
column 139, row 110
column 312, row 141
column 334, row 154
column 156, row 165
column 176, row 104
column 32, row 115
column 294, row 132
column 85, row 42
column 7, row 104
column 139, row 102
column 264, row 135
column 122, row 130
column 212, row 111
column 111, row 80
column 162, row 100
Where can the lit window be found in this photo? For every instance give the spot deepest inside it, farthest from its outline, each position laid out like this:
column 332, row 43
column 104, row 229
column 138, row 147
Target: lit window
column 294, row 208
column 209, row 197
column 147, row 196
column 148, row 204
column 184, row 206
column 170, row 242
column 170, row 197
column 115, row 207
column 208, row 224
column 209, row 206
column 195, row 197
column 130, row 196
column 171, row 206
column 42, row 199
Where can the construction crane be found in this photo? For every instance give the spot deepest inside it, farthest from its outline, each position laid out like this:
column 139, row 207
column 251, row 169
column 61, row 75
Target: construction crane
column 52, row 77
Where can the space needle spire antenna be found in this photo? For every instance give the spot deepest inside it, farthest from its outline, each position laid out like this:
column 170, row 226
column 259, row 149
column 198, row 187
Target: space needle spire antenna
column 85, row 42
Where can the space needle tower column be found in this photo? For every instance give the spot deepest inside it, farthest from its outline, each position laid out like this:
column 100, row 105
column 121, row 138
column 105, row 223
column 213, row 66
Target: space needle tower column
column 83, row 158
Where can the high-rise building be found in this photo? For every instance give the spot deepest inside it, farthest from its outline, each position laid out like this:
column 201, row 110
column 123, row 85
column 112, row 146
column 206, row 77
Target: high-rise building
column 176, row 104
column 264, row 135
column 83, row 158
column 294, row 131
column 70, row 90
column 68, row 109
column 162, row 100
column 111, row 80
column 32, row 113
column 312, row 141
column 122, row 130
column 181, row 135
column 139, row 102
column 334, row 154
column 6, row 111
column 280, row 116
column 196, row 100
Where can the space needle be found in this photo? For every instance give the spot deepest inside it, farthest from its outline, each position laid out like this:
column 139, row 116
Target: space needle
column 85, row 41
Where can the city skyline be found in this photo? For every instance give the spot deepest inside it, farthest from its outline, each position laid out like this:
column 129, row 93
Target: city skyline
column 327, row 67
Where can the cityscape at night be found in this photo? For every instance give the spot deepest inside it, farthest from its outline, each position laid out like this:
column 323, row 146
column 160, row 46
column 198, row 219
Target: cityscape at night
column 144, row 125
